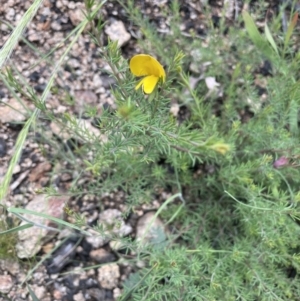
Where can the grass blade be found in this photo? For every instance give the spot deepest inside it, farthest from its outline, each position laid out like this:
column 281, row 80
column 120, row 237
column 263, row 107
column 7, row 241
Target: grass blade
column 270, row 38
column 11, row 43
column 46, row 216
column 18, row 150
column 290, row 30
column 257, row 39
column 32, row 294
column 16, row 229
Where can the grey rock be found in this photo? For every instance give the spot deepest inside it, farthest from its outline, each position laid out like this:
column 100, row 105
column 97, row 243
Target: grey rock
column 13, row 112
column 102, row 256
column 150, row 229
column 96, row 239
column 84, row 97
column 107, row 81
column 95, row 294
column 9, row 265
column 62, row 256
column 108, row 275
column 6, row 283
column 56, row 26
column 117, row 32
column 79, row 297
column 30, row 240
column 113, row 224
column 77, row 14
column 39, row 291
column 2, row 147
column 10, row 14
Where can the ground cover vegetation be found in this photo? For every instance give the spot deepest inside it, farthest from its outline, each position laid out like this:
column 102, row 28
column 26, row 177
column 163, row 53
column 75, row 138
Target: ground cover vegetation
column 228, row 158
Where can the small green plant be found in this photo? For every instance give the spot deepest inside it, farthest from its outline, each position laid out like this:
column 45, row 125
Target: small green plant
column 7, row 241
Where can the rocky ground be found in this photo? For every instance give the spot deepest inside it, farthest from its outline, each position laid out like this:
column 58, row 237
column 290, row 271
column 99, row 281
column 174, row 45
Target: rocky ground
column 63, row 265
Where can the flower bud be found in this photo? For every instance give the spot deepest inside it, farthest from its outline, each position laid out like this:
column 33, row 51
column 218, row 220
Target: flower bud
column 220, row 147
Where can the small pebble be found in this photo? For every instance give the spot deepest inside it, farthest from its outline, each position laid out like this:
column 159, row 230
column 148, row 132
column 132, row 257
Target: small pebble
column 3, row 147
column 6, row 283
column 108, row 276
column 117, row 32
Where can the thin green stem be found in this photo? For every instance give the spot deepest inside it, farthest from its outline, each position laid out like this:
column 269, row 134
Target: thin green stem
column 186, row 83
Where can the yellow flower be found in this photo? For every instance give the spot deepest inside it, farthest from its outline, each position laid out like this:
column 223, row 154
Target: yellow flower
column 147, row 66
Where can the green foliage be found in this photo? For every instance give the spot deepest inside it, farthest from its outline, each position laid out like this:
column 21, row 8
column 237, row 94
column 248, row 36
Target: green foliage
column 257, row 39
column 234, row 215
column 8, row 238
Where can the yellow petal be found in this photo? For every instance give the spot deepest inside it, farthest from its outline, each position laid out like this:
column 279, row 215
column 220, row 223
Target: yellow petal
column 144, row 64
column 148, row 83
